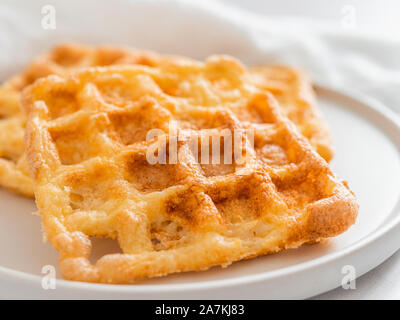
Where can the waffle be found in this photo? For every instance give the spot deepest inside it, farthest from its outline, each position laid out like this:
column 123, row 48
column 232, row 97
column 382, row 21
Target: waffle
column 291, row 88
column 61, row 60
column 88, row 146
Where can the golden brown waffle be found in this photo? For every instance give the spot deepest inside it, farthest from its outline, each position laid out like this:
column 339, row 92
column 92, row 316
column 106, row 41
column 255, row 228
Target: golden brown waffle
column 87, row 151
column 13, row 172
column 291, row 88
column 61, row 60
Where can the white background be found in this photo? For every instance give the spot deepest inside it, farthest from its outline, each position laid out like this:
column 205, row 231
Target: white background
column 378, row 18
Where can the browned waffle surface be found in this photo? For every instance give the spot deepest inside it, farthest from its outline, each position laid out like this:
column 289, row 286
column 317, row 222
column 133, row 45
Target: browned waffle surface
column 294, row 92
column 88, row 150
column 291, row 88
column 61, row 60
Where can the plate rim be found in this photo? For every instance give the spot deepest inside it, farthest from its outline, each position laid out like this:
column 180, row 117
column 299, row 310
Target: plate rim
column 367, row 102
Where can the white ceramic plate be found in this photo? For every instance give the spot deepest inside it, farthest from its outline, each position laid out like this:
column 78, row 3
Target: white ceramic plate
column 367, row 143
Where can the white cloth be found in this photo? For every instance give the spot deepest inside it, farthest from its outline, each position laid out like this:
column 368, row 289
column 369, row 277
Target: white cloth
column 200, row 28
column 339, row 58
